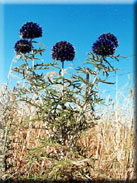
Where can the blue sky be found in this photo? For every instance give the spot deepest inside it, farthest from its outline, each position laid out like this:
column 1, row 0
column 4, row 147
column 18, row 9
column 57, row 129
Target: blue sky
column 79, row 24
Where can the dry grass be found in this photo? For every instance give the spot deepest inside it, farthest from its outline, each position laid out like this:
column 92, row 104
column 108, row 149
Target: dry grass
column 108, row 147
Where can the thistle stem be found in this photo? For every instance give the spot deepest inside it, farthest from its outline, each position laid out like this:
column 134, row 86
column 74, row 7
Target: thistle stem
column 33, row 63
column 87, row 78
column 33, row 59
column 63, row 106
column 62, row 74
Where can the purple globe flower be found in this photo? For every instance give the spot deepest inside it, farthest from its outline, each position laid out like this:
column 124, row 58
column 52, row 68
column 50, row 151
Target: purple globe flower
column 30, row 30
column 110, row 37
column 23, row 46
column 62, row 51
column 103, row 47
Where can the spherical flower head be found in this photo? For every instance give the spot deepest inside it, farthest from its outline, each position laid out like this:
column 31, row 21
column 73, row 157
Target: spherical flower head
column 110, row 37
column 30, row 30
column 62, row 51
column 103, row 47
column 23, row 46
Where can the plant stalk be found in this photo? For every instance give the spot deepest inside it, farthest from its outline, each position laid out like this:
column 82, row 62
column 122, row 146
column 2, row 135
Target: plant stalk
column 33, row 59
column 62, row 74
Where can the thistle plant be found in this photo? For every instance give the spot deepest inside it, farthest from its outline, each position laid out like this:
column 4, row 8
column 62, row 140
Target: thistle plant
column 63, row 51
column 68, row 110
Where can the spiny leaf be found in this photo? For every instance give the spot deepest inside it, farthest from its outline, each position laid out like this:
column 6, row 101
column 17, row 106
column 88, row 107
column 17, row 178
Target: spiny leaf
column 103, row 81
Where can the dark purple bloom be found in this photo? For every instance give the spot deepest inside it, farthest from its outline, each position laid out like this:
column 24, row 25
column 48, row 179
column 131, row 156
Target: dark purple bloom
column 110, row 37
column 103, row 47
column 30, row 30
column 62, row 51
column 23, row 46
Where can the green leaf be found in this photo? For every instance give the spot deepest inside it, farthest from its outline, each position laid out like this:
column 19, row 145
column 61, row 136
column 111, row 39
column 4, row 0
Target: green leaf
column 103, row 81
column 39, row 44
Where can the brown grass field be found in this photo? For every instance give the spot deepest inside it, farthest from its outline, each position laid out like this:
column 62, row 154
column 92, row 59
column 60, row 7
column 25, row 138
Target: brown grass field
column 108, row 147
